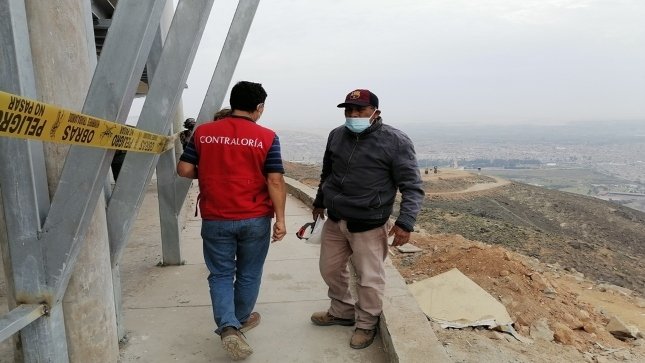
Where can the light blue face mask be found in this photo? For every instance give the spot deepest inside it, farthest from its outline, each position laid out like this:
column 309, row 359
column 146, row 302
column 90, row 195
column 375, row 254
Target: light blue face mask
column 358, row 124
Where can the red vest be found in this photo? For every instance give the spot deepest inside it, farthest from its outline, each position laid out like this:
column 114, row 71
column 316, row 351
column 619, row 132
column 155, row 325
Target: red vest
column 232, row 183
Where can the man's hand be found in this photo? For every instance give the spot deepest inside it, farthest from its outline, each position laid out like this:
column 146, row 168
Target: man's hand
column 279, row 231
column 401, row 236
column 318, row 212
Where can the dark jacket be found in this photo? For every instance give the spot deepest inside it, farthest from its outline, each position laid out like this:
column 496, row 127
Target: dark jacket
column 362, row 172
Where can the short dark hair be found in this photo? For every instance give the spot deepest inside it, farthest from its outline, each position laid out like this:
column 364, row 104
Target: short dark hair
column 189, row 123
column 246, row 96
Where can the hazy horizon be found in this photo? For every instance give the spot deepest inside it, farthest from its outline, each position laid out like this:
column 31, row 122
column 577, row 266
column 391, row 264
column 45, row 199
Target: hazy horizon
column 458, row 61
column 590, row 131
column 494, row 62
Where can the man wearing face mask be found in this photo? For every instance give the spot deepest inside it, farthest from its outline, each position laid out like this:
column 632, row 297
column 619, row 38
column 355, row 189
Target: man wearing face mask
column 365, row 163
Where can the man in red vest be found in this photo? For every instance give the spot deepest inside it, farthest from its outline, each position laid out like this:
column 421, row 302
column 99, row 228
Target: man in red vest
column 241, row 187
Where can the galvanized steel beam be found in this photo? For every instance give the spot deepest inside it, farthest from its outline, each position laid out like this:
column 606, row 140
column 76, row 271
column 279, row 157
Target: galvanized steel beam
column 102, row 9
column 170, row 255
column 151, row 65
column 169, row 220
column 231, row 50
column 18, row 318
column 25, row 196
column 180, row 46
column 23, row 161
column 109, row 97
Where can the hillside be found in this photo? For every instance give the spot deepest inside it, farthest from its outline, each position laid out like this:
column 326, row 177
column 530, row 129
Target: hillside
column 546, row 255
column 603, row 240
column 305, row 173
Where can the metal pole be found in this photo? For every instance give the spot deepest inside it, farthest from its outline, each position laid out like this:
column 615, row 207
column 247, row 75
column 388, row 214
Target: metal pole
column 163, row 97
column 25, row 197
column 231, row 50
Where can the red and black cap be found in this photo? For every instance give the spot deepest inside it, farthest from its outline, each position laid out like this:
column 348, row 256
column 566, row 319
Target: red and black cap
column 360, row 97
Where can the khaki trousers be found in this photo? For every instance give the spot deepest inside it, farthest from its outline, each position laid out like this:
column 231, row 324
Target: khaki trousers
column 368, row 251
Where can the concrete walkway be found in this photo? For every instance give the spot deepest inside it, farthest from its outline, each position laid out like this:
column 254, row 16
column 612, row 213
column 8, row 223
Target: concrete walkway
column 168, row 316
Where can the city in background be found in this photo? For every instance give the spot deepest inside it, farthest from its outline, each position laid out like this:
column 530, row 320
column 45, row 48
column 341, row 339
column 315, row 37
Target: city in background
column 600, row 159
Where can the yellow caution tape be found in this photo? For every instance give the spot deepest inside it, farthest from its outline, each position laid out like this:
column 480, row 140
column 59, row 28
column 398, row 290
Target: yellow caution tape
column 28, row 119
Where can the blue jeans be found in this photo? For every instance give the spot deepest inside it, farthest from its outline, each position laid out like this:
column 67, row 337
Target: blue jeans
column 234, row 252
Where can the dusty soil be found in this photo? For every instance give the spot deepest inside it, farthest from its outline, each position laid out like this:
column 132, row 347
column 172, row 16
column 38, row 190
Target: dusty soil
column 530, row 290
column 305, row 173
column 599, row 238
column 453, row 181
column 544, row 254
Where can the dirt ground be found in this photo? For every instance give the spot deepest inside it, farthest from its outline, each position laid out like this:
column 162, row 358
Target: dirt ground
column 456, row 181
column 601, row 239
column 305, row 173
column 530, row 291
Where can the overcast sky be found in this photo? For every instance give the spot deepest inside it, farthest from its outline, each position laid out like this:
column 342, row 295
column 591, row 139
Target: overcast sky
column 437, row 61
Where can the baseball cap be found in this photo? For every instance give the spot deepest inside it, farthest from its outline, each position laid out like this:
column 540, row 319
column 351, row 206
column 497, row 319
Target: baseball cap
column 360, row 97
